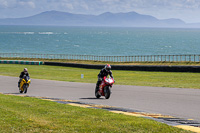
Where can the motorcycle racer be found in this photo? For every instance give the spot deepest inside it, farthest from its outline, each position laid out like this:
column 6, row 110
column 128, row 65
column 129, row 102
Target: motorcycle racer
column 25, row 72
column 104, row 72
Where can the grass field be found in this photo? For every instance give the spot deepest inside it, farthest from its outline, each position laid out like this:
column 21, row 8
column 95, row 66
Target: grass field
column 25, row 114
column 32, row 115
column 138, row 78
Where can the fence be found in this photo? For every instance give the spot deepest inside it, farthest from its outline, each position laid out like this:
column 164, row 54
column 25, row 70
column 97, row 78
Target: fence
column 142, row 58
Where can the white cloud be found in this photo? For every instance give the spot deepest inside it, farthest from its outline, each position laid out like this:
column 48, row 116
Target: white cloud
column 68, row 6
column 16, row 4
column 84, row 6
column 7, row 3
column 3, row 3
column 27, row 4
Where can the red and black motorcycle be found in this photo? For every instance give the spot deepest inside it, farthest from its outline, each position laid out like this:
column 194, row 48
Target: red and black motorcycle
column 105, row 88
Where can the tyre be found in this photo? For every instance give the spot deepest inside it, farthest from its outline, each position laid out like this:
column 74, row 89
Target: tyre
column 25, row 88
column 107, row 92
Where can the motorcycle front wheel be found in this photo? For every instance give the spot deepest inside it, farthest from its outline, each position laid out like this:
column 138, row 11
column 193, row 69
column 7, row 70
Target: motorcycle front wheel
column 20, row 91
column 107, row 92
column 25, row 88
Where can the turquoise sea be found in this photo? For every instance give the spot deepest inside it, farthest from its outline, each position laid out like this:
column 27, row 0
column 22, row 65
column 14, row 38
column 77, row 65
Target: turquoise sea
column 98, row 40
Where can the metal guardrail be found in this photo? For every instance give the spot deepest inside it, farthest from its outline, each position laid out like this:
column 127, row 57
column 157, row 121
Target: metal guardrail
column 138, row 58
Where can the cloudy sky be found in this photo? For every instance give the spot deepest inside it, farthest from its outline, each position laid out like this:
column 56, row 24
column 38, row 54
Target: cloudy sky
column 187, row 10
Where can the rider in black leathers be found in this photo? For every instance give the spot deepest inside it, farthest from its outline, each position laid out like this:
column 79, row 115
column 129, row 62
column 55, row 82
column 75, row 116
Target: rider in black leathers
column 104, row 72
column 25, row 72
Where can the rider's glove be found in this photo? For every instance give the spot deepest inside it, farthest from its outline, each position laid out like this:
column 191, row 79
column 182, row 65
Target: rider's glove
column 100, row 79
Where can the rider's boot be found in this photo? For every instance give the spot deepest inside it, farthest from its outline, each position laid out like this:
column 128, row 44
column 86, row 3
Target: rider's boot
column 97, row 88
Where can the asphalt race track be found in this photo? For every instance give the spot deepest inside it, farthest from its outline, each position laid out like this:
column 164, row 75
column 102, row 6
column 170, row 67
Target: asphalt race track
column 177, row 102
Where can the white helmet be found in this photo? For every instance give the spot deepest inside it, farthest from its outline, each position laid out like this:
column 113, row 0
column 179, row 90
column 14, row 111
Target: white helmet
column 25, row 70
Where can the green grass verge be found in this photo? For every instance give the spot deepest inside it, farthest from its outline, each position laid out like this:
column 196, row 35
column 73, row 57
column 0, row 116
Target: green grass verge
column 31, row 115
column 138, row 78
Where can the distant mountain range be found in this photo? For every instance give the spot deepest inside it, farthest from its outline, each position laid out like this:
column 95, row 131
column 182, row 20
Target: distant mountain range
column 130, row 19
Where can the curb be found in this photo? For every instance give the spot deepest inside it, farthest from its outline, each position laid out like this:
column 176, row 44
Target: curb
column 21, row 62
